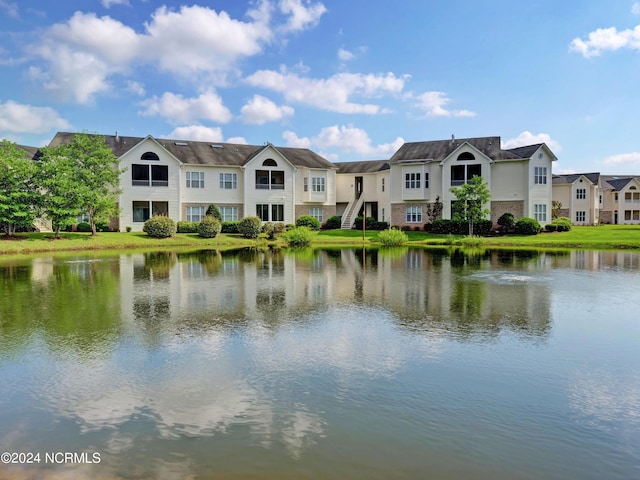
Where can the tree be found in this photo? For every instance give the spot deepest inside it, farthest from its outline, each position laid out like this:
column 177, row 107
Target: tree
column 472, row 198
column 60, row 196
column 95, row 170
column 214, row 211
column 19, row 195
column 434, row 210
column 556, row 206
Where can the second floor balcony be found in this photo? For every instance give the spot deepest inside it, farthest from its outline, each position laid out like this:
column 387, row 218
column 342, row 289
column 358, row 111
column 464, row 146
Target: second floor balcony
column 269, row 180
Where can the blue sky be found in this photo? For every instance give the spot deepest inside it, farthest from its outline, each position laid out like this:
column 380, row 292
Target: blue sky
column 352, row 80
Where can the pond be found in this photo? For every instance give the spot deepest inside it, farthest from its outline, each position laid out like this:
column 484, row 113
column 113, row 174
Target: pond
column 321, row 364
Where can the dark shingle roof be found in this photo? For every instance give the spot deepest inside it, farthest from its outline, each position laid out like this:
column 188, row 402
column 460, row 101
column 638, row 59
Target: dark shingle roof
column 572, row 177
column 207, row 153
column 33, row 153
column 616, row 183
column 367, row 166
column 438, row 150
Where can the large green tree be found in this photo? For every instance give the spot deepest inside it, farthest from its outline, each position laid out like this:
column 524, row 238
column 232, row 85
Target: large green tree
column 472, row 198
column 96, row 173
column 56, row 177
column 19, row 194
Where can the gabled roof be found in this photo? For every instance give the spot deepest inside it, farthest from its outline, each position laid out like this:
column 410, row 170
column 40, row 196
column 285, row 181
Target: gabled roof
column 32, row 153
column 366, row 166
column 572, row 177
column 438, row 150
column 207, row 153
column 617, row 183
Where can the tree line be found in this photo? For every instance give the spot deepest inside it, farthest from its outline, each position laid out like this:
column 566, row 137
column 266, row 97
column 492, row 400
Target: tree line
column 61, row 183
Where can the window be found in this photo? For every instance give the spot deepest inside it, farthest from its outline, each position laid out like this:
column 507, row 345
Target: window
column 316, row 212
column 277, row 213
column 540, row 176
column 269, row 162
column 616, row 197
column 149, row 156
column 581, row 193
column 461, row 174
column 195, row 180
column 318, row 184
column 540, row 212
column 383, row 184
column 383, row 214
column 581, row 216
column 269, row 179
column 150, row 175
column 414, row 214
column 632, row 214
column 601, row 199
column 466, row 156
column 228, row 181
column 426, row 180
column 140, row 211
column 411, row 180
column 262, row 212
column 305, row 184
column 229, row 214
column 195, row 214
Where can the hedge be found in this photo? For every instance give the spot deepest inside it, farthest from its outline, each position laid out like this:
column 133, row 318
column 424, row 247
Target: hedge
column 159, row 226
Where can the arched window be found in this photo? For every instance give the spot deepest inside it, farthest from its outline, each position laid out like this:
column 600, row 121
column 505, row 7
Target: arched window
column 466, row 156
column 269, row 162
column 149, row 156
column 632, row 188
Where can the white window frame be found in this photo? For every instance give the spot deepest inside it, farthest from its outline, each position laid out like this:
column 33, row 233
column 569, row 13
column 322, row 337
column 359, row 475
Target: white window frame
column 540, row 175
column 540, row 212
column 229, row 214
column 413, row 214
column 195, row 179
column 318, row 184
column 195, row 213
column 581, row 216
column 412, row 180
column 316, row 212
column 581, row 193
column 228, row 181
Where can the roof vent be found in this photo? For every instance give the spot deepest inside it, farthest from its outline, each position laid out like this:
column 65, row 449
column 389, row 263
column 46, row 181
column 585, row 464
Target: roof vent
column 213, row 145
column 181, row 144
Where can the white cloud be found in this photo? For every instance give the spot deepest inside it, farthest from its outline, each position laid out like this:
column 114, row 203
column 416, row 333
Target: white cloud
column 110, row 3
column 294, row 141
column 302, row 13
column 624, row 159
column 260, row 110
column 635, row 8
column 528, row 138
column 332, row 94
column 197, row 133
column 135, row 88
column 433, row 104
column 563, row 171
column 83, row 52
column 10, row 8
column 238, row 140
column 344, row 138
column 177, row 109
column 19, row 118
column 606, row 39
column 345, row 55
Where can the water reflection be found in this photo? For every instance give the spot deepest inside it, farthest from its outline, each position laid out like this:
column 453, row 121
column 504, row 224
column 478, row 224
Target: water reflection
column 180, row 364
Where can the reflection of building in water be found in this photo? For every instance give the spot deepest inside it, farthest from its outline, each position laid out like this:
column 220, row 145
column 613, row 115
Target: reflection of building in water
column 464, row 294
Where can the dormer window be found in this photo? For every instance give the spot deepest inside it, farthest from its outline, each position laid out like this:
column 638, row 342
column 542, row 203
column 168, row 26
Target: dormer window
column 149, row 156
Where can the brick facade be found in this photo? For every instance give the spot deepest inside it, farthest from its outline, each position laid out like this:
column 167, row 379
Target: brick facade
column 515, row 207
column 327, row 211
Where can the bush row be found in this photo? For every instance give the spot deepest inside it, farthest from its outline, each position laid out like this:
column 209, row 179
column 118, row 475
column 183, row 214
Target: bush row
column 457, row 227
column 370, row 223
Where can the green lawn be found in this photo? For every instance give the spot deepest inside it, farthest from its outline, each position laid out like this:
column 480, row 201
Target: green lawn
column 602, row 237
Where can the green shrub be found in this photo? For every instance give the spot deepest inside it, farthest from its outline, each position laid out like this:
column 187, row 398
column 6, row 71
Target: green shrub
column 507, row 221
column 298, row 236
column 187, row 227
column 128, row 229
column 214, row 212
column 392, row 237
column 279, row 227
column 269, row 230
column 563, row 224
column 551, row 227
column 230, row 227
column 308, row 221
column 333, row 223
column 159, row 226
column 527, row 226
column 83, row 227
column 250, row 227
column 209, row 227
column 370, row 223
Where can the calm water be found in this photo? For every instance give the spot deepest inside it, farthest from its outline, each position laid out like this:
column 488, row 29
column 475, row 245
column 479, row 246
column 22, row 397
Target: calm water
column 331, row 364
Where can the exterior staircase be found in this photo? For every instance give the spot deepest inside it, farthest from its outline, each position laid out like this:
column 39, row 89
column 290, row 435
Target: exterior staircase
column 351, row 212
column 43, row 224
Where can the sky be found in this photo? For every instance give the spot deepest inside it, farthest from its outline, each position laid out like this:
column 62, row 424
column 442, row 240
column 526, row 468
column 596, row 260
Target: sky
column 351, row 80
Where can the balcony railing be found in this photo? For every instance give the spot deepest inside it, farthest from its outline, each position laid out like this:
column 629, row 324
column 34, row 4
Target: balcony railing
column 152, row 183
column 267, row 186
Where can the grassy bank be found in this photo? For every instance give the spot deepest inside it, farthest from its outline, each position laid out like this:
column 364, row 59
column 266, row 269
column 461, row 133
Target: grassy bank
column 602, row 237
